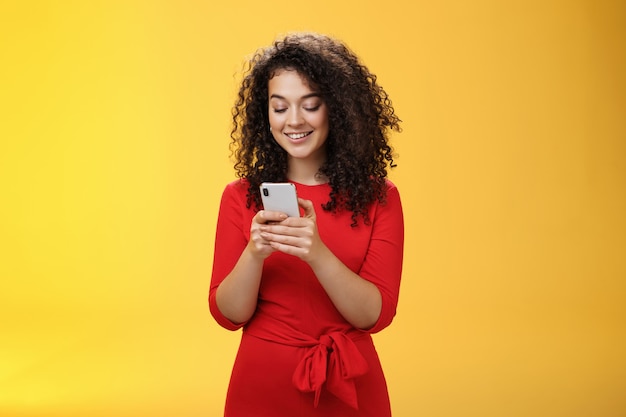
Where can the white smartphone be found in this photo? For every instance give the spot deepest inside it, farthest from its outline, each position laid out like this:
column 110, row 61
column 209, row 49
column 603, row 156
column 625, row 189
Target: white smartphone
column 280, row 196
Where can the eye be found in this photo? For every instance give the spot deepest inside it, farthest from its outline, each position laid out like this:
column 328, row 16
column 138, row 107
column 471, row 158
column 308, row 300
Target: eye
column 280, row 110
column 313, row 108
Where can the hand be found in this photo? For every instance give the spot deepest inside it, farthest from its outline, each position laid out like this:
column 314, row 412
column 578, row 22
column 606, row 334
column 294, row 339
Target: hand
column 258, row 245
column 296, row 236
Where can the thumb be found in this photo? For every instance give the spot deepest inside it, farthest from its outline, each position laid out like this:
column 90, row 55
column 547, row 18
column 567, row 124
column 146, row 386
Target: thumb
column 307, row 206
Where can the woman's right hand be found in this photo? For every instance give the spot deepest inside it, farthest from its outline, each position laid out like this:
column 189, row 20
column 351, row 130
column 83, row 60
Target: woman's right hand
column 258, row 246
column 238, row 293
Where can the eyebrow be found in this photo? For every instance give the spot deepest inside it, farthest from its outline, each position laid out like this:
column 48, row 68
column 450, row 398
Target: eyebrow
column 301, row 98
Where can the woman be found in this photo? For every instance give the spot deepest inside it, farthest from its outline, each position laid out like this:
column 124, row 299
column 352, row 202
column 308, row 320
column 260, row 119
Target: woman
column 308, row 291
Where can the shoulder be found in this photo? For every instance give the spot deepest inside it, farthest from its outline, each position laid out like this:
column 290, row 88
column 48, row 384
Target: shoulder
column 235, row 192
column 391, row 190
column 239, row 186
column 390, row 185
column 392, row 203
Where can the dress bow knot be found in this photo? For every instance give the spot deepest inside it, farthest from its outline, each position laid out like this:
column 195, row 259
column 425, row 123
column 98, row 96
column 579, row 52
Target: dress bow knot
column 334, row 361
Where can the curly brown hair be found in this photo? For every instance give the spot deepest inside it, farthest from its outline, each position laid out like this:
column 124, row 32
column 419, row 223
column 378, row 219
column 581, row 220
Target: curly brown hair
column 360, row 117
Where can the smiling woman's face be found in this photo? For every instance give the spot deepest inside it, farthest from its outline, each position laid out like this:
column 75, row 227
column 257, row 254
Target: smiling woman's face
column 298, row 117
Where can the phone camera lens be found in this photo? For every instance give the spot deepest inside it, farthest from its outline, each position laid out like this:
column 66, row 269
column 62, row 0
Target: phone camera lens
column 266, row 192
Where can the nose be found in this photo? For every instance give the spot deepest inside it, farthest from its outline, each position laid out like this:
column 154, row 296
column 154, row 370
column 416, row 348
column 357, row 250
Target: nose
column 295, row 118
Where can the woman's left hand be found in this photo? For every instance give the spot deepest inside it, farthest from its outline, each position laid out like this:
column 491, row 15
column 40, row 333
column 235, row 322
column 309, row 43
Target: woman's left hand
column 359, row 301
column 296, row 236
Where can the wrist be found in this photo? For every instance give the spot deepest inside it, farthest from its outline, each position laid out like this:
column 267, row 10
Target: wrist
column 254, row 254
column 322, row 258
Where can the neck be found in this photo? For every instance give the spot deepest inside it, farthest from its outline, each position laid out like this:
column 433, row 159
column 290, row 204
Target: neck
column 305, row 172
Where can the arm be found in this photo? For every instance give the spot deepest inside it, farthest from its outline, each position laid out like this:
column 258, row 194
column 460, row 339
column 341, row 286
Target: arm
column 357, row 299
column 367, row 300
column 237, row 260
column 237, row 294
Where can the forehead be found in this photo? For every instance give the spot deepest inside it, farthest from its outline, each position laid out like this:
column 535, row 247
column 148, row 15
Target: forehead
column 285, row 81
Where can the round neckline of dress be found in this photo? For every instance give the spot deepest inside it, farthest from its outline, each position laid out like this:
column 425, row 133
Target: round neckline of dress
column 307, row 185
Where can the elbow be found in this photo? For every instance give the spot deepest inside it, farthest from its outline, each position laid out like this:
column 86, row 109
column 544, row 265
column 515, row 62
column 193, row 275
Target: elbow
column 223, row 317
column 371, row 315
column 237, row 313
column 366, row 325
column 385, row 314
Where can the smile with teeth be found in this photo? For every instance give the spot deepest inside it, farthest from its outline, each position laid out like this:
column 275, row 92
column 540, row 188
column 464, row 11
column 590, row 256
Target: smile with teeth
column 297, row 135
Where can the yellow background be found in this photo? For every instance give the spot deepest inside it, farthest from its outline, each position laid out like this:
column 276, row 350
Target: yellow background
column 114, row 123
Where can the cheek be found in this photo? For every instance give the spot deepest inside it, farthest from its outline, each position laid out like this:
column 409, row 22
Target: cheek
column 274, row 121
column 319, row 119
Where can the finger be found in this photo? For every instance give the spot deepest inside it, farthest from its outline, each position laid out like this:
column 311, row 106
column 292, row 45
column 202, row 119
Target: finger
column 292, row 227
column 267, row 216
column 272, row 239
column 288, row 249
column 307, row 206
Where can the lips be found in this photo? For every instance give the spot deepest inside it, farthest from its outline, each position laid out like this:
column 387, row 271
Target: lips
column 298, row 135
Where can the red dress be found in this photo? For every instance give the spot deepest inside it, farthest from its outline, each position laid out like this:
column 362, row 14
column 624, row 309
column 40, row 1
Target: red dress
column 298, row 356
